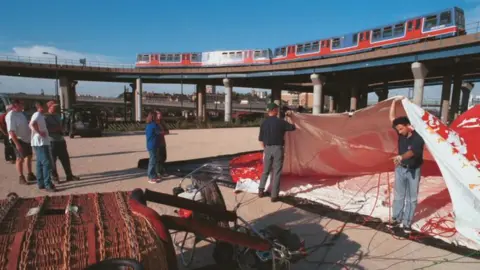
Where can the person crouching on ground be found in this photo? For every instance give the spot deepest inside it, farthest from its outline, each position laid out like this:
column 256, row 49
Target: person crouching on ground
column 41, row 144
column 20, row 136
column 408, row 165
column 152, row 131
column 271, row 137
column 8, row 150
column 58, row 145
column 162, row 145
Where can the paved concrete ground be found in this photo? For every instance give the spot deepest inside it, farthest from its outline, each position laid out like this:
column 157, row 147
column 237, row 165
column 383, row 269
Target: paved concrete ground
column 109, row 163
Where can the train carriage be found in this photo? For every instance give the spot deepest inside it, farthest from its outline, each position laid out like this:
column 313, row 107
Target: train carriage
column 150, row 60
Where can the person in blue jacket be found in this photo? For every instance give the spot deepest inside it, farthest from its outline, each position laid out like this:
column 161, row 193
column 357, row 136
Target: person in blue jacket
column 152, row 131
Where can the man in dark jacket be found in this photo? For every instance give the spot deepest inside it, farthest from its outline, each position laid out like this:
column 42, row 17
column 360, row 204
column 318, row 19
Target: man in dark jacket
column 271, row 137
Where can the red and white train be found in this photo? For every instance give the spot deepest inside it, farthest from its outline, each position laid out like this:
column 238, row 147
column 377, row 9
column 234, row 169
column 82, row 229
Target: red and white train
column 443, row 24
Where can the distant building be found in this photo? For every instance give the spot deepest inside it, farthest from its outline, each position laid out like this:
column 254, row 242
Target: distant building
column 298, row 99
column 210, row 89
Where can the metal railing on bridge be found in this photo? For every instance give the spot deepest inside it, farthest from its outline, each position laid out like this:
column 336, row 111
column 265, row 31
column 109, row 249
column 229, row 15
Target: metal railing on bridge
column 470, row 28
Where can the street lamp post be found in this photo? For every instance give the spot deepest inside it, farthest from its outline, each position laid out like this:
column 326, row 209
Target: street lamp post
column 56, row 74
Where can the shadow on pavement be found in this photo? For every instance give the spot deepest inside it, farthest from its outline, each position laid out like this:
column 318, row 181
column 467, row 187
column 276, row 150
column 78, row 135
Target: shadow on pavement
column 341, row 253
column 102, row 178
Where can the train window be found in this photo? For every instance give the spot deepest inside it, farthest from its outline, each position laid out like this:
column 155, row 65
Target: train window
column 355, row 38
column 169, row 57
column 315, row 46
column 328, row 43
column 410, row 26
column 377, row 34
column 335, row 43
column 399, row 29
column 280, row 51
column 196, row 57
column 387, row 32
column 224, row 55
column 417, row 23
column 308, row 47
column 446, row 17
column 361, row 36
column 367, row 35
column 143, row 58
column 176, row 58
column 238, row 55
column 300, row 48
column 430, row 21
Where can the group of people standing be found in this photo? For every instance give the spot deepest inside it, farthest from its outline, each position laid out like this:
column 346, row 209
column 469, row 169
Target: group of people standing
column 155, row 131
column 44, row 135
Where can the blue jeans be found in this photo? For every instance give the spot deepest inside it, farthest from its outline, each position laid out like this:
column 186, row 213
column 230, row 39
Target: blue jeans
column 407, row 182
column 152, row 164
column 44, row 166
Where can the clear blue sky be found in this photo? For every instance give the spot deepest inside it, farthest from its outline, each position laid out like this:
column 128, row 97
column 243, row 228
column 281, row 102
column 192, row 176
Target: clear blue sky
column 120, row 29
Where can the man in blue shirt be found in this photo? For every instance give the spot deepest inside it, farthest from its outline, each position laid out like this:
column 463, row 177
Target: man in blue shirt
column 152, row 131
column 271, row 137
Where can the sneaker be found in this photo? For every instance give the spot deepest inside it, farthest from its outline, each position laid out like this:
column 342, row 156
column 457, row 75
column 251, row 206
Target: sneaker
column 31, row 177
column 51, row 189
column 55, row 178
column 261, row 193
column 22, row 180
column 393, row 224
column 154, row 181
column 73, row 178
column 407, row 229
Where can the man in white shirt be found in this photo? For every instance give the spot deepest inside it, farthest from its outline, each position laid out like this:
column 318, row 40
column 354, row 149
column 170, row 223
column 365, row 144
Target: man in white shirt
column 19, row 135
column 41, row 144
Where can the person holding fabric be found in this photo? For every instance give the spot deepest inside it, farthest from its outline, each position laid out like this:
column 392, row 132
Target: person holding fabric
column 271, row 137
column 41, row 144
column 152, row 131
column 408, row 165
column 58, row 145
column 162, row 144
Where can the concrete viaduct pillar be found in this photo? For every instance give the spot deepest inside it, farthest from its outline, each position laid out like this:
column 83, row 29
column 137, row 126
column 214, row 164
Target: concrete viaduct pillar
column 419, row 71
column 201, row 102
column 138, row 100
column 276, row 96
column 354, row 96
column 228, row 99
column 68, row 93
column 318, row 98
column 382, row 93
column 332, row 105
column 445, row 103
column 455, row 105
column 466, row 90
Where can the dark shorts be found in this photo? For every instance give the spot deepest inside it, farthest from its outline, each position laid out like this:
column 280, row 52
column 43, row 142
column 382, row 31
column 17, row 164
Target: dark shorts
column 26, row 149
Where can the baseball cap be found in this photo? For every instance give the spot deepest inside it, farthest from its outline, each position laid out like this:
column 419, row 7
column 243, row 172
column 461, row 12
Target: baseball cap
column 272, row 106
column 51, row 103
